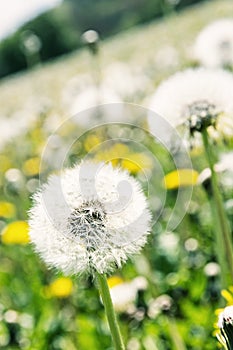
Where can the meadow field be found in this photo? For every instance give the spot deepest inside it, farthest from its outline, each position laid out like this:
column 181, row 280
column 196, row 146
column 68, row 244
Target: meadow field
column 95, row 106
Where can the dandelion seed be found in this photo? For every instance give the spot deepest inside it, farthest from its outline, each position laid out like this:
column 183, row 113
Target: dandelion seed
column 90, row 218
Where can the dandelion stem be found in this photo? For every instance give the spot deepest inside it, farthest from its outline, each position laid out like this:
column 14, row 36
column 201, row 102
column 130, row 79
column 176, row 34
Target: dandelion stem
column 111, row 316
column 221, row 220
column 175, row 335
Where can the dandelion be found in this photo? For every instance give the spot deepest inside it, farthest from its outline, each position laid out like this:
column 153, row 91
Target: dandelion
column 194, row 100
column 212, row 269
column 31, row 167
column 7, row 210
column 180, row 178
column 225, row 324
column 16, row 233
column 91, row 219
column 91, row 39
column 214, row 44
column 80, row 222
column 61, row 288
column 199, row 103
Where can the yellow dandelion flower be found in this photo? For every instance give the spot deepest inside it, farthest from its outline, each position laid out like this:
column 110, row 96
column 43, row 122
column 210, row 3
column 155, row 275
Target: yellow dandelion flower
column 61, row 288
column 115, row 162
column 32, row 166
column 113, row 154
column 180, row 178
column 227, row 296
column 91, row 141
column 16, row 233
column 114, row 281
column 7, row 210
column 131, row 166
column 5, row 163
column 136, row 162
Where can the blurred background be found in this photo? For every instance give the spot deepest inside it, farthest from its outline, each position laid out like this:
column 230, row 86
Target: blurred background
column 58, row 58
column 59, row 29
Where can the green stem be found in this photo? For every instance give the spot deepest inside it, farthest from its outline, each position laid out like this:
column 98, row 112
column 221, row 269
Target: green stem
column 111, row 316
column 219, row 249
column 175, row 335
column 225, row 235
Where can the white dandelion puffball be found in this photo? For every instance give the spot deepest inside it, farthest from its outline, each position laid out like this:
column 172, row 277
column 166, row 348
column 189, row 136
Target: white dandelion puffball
column 214, row 44
column 193, row 99
column 226, row 316
column 90, row 218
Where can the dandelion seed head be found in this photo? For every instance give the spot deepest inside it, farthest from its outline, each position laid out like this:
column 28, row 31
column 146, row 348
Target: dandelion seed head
column 91, row 217
column 87, row 224
column 193, row 100
column 226, row 317
column 200, row 115
column 214, row 44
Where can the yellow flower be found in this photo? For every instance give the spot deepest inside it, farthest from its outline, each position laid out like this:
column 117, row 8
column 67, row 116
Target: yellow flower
column 136, row 162
column 91, row 141
column 61, row 288
column 131, row 166
column 5, row 163
column 114, row 154
column 7, row 210
column 180, row 178
column 16, row 233
column 114, row 281
column 119, row 150
column 228, row 296
column 32, row 166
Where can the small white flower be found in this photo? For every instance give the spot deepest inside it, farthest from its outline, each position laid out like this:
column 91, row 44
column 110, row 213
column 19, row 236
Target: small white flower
column 192, row 100
column 214, row 44
column 91, row 217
